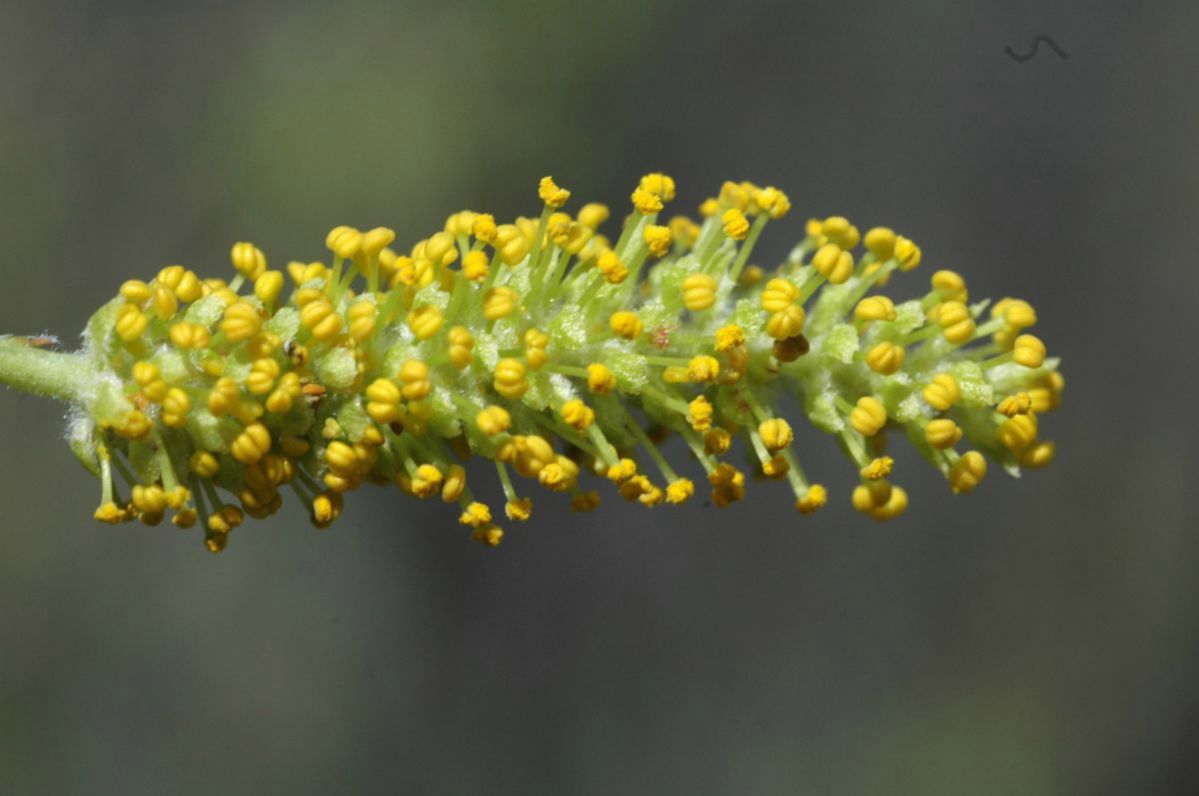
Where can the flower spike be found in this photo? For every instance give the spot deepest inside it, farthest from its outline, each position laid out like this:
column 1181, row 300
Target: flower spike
column 557, row 352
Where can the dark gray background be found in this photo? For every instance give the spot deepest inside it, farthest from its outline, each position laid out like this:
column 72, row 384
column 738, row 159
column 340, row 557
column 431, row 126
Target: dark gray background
column 1037, row 637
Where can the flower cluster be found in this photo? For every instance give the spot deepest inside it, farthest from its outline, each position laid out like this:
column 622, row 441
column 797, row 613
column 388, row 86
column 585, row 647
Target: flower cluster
column 557, row 353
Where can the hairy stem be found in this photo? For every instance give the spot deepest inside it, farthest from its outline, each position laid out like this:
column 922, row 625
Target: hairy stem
column 51, row 374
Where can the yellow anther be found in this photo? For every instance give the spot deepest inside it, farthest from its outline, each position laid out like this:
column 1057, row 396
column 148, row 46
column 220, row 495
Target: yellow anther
column 1018, row 404
column 149, row 499
column 709, row 207
column 509, row 379
column 268, row 286
column 1018, row 432
column 326, row 508
column 511, row 244
column 185, row 284
column 476, row 514
column 1016, row 313
column 870, row 495
column 175, row 407
column 251, row 444
column 301, row 273
column 736, row 225
column 132, row 425
column 1037, row 456
column 475, row 266
column 679, row 490
column 135, row 291
column 427, row 481
column 840, row 231
column 439, row 249
column 483, row 227
column 264, row 345
column 560, row 475
column 241, row 321
column 130, row 323
column 641, row 489
column 577, row 414
column 907, row 253
column 1046, row 394
column 414, row 376
column 699, row 413
column 344, row 242
column 699, row 292
column 942, row 392
column 204, row 464
column 967, row 472
column 729, row 337
column 813, row 501
column 885, row 358
column 786, row 323
column 383, row 401
column 164, row 303
column 880, row 241
column 833, row 263
column 728, row 485
column 703, row 369
column 600, row 380
column 593, row 215
column 659, row 240
column 658, row 184
column 536, row 343
column 455, row 484
column 425, row 321
column 144, row 372
column 942, row 433
column 957, row 325
column 362, row 316
column 622, row 471
column 551, row 194
column 950, row 286
column 189, row 335
column 646, row 203
column 734, row 195
column 684, row 230
column 611, row 267
column 261, row 379
column 776, row 434
column 751, row 276
column 248, row 259
column 284, row 396
column 223, row 397
column 377, row 239
column 779, row 294
column 462, row 344
column 490, row 536
column 776, row 468
column 155, row 390
column 1029, row 351
column 626, row 324
column 875, row 308
column 717, row 441
column 878, row 468
column 321, row 319
column 897, row 504
column 341, row 458
column 868, row 417
column 519, row 510
column 773, row 202
column 500, row 302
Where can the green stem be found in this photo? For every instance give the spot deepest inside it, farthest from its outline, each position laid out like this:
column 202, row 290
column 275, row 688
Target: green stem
column 50, row 374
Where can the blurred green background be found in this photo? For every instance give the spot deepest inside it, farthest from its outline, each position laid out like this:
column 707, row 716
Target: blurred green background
column 1038, row 637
